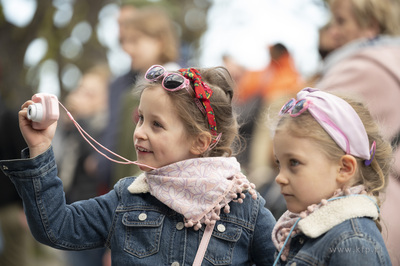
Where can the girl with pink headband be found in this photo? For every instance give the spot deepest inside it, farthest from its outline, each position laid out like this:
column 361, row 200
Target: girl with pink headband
column 191, row 205
column 333, row 166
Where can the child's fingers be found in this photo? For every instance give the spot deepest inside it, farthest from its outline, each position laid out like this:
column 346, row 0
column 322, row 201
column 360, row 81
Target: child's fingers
column 23, row 117
column 23, row 113
column 26, row 104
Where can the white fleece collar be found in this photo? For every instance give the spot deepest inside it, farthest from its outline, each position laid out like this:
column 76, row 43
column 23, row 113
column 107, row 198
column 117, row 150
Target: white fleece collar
column 336, row 212
column 139, row 185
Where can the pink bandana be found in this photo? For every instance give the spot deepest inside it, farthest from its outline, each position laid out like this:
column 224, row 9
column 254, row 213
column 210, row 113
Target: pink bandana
column 199, row 188
column 288, row 219
column 340, row 121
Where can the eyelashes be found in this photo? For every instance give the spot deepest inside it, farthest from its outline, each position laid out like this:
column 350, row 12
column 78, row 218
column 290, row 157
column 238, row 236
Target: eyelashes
column 155, row 123
column 294, row 162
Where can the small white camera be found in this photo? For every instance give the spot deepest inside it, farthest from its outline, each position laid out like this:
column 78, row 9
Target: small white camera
column 44, row 111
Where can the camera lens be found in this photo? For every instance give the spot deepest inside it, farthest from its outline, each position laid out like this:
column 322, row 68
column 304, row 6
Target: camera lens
column 35, row 112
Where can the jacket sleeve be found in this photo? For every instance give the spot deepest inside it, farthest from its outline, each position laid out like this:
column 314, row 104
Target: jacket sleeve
column 81, row 225
column 262, row 248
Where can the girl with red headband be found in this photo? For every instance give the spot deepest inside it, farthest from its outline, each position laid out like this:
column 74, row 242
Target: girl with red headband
column 190, row 206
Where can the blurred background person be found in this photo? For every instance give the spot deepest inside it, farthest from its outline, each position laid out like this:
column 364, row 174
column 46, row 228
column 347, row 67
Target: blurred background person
column 88, row 105
column 255, row 91
column 118, row 87
column 148, row 36
column 76, row 158
column 327, row 43
column 367, row 64
column 281, row 77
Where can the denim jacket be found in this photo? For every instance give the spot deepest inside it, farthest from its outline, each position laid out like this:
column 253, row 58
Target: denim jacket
column 342, row 233
column 139, row 229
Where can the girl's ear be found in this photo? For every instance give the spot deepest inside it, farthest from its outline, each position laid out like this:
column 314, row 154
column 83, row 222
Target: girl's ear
column 201, row 144
column 348, row 168
column 373, row 29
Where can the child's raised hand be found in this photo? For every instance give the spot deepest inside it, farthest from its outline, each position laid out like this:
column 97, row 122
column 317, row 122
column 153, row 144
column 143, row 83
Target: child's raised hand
column 38, row 140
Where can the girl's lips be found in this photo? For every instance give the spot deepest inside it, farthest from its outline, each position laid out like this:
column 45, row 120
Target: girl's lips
column 141, row 149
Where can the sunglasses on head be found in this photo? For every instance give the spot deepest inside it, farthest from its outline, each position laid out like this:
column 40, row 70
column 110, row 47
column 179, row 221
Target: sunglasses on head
column 170, row 82
column 294, row 108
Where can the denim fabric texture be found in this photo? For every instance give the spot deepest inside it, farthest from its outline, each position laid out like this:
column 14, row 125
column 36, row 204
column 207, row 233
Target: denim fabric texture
column 355, row 241
column 139, row 229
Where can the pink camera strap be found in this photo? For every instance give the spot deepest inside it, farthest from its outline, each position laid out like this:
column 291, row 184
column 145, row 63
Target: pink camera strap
column 203, row 245
column 86, row 135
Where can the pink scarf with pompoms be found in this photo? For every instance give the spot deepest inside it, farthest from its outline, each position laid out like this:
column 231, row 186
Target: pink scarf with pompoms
column 197, row 188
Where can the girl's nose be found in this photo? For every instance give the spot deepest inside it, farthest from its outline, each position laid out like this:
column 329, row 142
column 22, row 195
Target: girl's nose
column 280, row 179
column 139, row 132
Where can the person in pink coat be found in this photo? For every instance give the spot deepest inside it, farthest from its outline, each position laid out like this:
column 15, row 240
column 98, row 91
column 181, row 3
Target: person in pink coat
column 368, row 64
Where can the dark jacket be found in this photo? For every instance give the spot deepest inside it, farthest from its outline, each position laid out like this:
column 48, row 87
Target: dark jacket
column 11, row 143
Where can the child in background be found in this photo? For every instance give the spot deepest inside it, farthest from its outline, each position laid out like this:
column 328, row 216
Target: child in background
column 333, row 165
column 77, row 161
column 191, row 205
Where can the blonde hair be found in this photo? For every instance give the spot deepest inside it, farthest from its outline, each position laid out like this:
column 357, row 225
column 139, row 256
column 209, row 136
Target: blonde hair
column 154, row 22
column 383, row 12
column 375, row 176
column 220, row 82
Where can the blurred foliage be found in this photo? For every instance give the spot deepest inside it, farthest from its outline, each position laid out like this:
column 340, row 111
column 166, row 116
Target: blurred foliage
column 18, row 82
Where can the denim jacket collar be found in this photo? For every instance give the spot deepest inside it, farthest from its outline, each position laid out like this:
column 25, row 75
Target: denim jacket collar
column 336, row 212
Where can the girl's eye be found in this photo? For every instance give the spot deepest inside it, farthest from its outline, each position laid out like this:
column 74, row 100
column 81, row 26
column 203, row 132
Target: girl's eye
column 277, row 164
column 340, row 20
column 140, row 119
column 294, row 162
column 157, row 124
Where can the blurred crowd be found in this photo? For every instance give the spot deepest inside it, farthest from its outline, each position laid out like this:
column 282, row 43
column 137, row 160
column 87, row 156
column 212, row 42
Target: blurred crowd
column 359, row 52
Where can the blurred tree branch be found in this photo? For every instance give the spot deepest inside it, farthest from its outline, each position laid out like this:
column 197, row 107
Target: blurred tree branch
column 14, row 42
column 18, row 82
